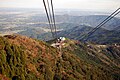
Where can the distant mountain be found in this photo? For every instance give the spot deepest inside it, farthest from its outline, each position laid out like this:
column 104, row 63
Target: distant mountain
column 68, row 25
column 18, row 20
column 92, row 20
column 33, row 33
column 100, row 36
column 75, row 32
column 117, row 28
column 23, row 58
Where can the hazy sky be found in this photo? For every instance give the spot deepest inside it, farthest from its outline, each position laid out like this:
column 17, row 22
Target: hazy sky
column 66, row 4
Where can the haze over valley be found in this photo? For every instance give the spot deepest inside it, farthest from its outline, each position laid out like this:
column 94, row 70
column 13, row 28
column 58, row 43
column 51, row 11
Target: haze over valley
column 33, row 22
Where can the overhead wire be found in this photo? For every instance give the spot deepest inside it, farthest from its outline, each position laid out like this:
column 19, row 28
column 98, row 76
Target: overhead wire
column 52, row 24
column 86, row 37
column 54, row 18
column 49, row 20
column 51, row 17
column 100, row 26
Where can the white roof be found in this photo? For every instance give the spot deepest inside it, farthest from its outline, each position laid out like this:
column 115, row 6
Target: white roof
column 62, row 38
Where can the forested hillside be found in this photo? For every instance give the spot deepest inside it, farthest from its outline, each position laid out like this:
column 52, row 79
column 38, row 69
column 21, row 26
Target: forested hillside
column 23, row 58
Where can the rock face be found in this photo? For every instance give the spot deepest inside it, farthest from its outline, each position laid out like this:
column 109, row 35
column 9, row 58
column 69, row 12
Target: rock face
column 23, row 58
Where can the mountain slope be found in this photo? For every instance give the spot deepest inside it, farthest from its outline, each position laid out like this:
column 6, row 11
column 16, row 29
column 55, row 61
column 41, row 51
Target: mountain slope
column 107, row 56
column 23, row 58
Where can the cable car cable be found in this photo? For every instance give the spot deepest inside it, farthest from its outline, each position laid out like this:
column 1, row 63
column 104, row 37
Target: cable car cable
column 101, row 24
column 51, row 19
column 54, row 18
column 48, row 17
